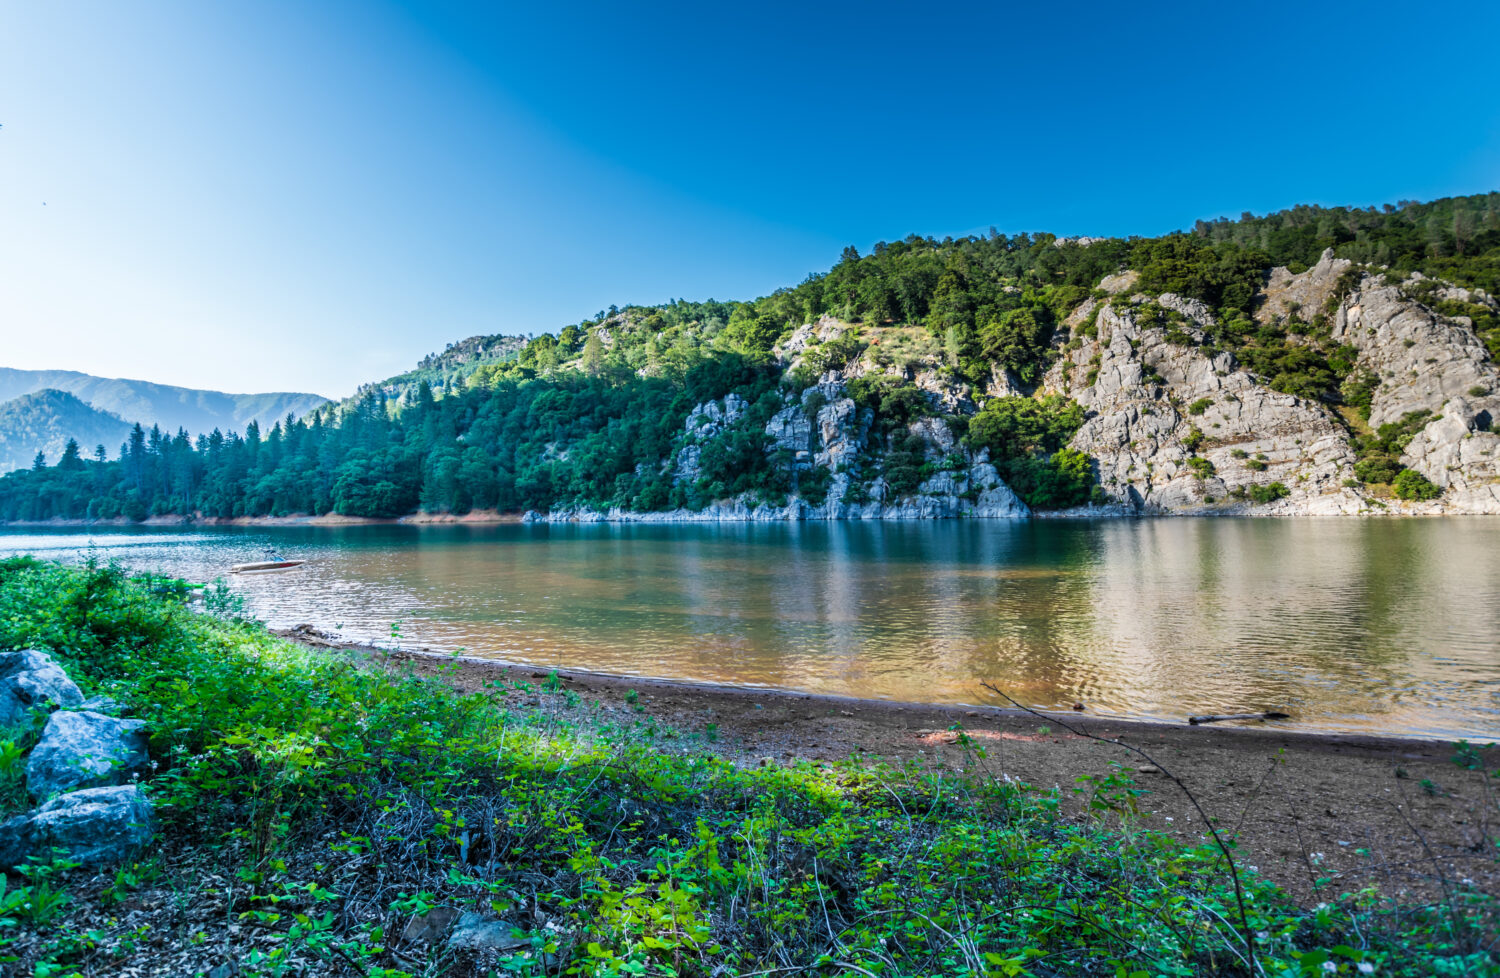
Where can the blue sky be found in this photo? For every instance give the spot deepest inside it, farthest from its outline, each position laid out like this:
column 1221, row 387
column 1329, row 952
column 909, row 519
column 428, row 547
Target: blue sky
column 288, row 195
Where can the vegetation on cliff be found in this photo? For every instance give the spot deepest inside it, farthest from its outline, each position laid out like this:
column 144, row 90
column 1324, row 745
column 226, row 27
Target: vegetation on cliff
column 317, row 816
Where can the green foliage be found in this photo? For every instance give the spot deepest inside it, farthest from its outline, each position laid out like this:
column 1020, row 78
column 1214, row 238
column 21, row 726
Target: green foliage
column 1226, row 277
column 1413, row 485
column 340, row 800
column 1358, row 391
column 1378, row 455
column 1199, row 406
column 1013, row 426
column 894, row 404
column 1017, row 341
column 1455, row 238
column 835, row 354
column 753, row 336
column 1268, row 493
column 1063, row 479
column 1026, row 438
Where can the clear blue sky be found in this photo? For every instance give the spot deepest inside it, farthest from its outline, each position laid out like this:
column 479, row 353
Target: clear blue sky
column 280, row 194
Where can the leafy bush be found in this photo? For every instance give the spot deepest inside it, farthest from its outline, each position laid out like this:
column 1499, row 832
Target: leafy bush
column 1063, row 479
column 1378, row 455
column 1413, row 485
column 1013, row 426
column 1267, row 494
column 1026, row 438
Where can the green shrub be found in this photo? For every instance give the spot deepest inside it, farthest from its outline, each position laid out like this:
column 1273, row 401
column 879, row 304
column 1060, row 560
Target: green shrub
column 1267, row 494
column 1413, row 485
column 1064, row 479
column 1201, row 405
column 314, row 801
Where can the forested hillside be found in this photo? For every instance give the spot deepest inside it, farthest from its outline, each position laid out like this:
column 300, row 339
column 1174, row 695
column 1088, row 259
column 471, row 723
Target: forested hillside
column 46, row 421
column 1306, row 361
column 449, row 370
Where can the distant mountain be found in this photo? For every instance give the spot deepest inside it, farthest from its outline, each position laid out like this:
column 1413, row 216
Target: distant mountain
column 198, row 411
column 45, row 420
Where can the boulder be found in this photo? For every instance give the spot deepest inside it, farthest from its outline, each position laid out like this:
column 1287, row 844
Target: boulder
column 30, row 679
column 15, row 841
column 96, row 827
column 429, row 928
column 102, row 704
column 86, row 750
column 474, row 932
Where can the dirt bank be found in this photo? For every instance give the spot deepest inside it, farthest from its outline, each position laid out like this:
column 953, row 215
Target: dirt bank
column 1350, row 810
column 478, row 517
column 473, row 516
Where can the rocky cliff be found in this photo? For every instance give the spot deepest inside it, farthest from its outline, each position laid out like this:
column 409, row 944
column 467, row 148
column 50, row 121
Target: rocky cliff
column 825, row 438
column 1177, row 428
column 1180, row 427
column 1173, row 421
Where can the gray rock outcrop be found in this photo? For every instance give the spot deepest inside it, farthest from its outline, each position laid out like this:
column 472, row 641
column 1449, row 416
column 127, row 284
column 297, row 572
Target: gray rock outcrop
column 825, row 430
column 96, row 826
column 30, row 679
column 86, row 750
column 1428, row 362
column 1175, row 428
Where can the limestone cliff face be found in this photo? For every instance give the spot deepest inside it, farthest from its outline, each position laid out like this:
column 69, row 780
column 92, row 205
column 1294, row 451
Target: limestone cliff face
column 1174, row 425
column 1174, row 430
column 1428, row 362
column 825, row 430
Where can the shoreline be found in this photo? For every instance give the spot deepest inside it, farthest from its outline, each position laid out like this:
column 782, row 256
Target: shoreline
column 1303, row 739
column 1358, row 809
column 705, row 517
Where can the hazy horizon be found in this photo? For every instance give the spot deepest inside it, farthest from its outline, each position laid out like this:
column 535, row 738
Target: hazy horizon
column 279, row 197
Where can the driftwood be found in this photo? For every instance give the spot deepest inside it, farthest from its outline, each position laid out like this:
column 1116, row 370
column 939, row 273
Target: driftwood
column 1216, row 717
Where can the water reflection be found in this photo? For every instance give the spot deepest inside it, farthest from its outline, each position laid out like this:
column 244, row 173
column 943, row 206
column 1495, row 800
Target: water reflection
column 1386, row 625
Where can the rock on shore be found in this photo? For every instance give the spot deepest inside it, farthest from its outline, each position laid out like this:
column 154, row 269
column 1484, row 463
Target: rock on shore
column 77, row 769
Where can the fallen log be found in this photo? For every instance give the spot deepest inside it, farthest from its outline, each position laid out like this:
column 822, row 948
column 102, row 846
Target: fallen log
column 1216, row 717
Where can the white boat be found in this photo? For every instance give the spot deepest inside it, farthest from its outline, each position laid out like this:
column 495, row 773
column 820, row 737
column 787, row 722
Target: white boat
column 266, row 565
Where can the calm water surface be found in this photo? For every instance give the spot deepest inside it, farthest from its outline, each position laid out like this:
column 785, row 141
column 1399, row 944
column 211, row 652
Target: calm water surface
column 1376, row 625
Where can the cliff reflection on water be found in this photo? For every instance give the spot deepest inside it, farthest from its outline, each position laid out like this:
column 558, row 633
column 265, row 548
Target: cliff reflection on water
column 1377, row 625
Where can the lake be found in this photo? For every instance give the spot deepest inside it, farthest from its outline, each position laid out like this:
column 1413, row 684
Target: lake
column 1376, row 625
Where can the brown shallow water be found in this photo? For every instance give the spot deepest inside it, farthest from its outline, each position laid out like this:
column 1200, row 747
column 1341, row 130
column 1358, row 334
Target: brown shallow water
column 1385, row 626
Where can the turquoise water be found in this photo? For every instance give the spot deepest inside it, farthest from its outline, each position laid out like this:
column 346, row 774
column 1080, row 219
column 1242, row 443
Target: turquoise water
column 1387, row 626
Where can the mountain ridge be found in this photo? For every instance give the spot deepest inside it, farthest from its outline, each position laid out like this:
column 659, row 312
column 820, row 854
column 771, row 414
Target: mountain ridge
column 1267, row 366
column 166, row 406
